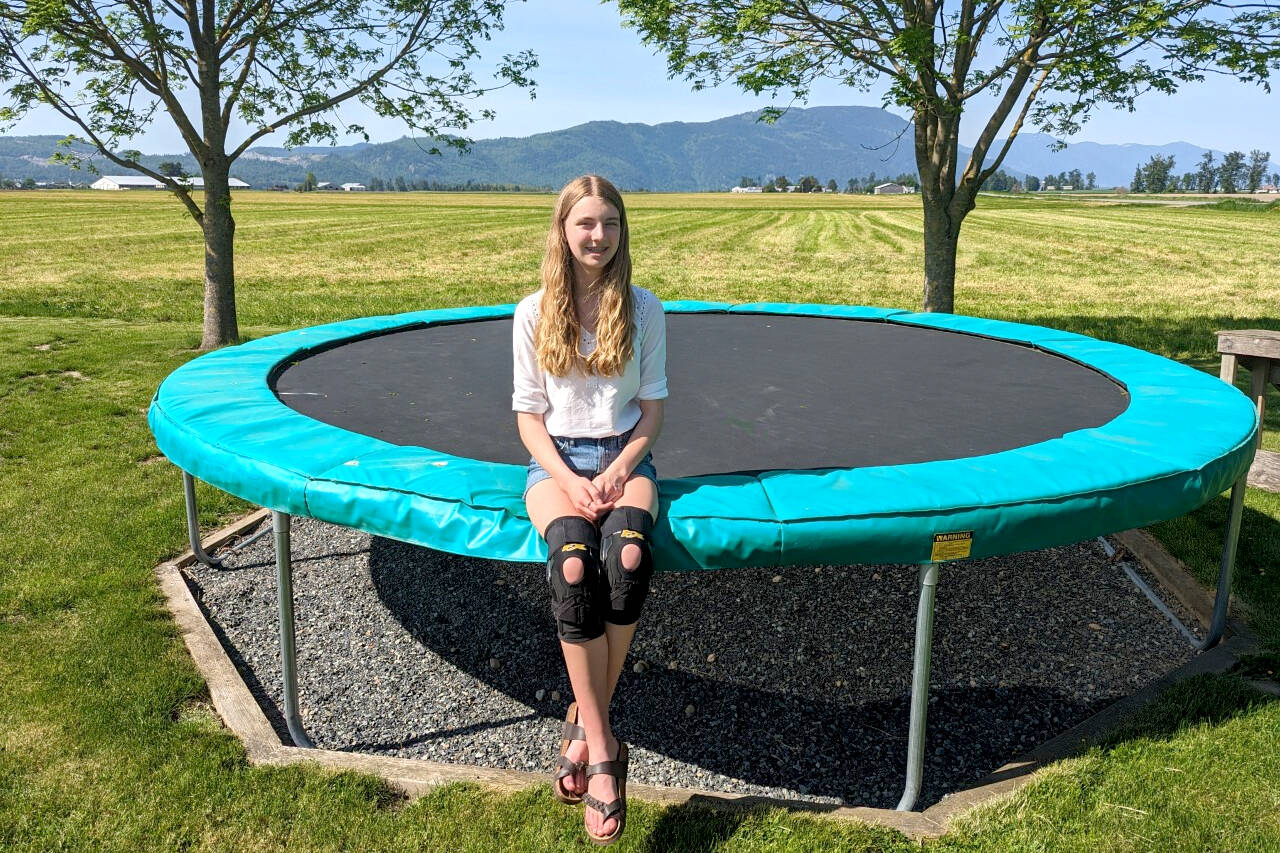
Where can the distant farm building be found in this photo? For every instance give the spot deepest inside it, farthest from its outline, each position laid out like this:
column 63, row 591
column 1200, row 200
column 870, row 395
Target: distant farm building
column 353, row 188
column 1268, row 188
column 891, row 189
column 125, row 182
column 747, row 190
column 142, row 182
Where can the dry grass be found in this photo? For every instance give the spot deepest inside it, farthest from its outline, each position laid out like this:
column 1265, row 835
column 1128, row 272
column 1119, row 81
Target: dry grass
column 312, row 258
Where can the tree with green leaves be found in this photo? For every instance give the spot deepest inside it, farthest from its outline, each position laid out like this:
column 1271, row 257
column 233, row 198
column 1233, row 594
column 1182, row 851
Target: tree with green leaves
column 1257, row 171
column 1155, row 174
column 1231, row 173
column 309, row 183
column 1092, row 181
column 1139, row 182
column 781, row 183
column 832, row 186
column 109, row 68
column 1033, row 184
column 1051, row 63
column 999, row 182
column 1206, row 174
column 172, row 169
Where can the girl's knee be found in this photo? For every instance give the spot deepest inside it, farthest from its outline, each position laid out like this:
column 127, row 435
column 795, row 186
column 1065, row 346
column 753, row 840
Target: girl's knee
column 630, row 557
column 573, row 568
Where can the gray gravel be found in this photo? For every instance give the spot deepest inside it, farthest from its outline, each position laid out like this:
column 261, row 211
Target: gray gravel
column 789, row 683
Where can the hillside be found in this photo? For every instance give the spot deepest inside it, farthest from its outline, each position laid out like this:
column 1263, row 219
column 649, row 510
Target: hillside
column 827, row 142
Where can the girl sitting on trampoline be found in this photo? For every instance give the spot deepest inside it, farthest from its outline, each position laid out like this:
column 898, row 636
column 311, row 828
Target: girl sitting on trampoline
column 590, row 380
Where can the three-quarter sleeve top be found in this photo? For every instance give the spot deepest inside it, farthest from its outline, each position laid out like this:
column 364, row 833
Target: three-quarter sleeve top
column 583, row 405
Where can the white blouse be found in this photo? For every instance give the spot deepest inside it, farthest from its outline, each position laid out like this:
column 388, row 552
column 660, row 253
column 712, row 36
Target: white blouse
column 582, row 405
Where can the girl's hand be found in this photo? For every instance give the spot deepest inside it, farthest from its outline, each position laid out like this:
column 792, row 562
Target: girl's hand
column 586, row 497
column 611, row 483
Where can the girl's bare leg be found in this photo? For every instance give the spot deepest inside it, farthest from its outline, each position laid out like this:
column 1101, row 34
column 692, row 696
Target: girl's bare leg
column 587, row 663
column 594, row 666
column 638, row 492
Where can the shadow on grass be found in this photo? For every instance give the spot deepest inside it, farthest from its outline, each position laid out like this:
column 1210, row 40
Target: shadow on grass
column 1196, row 539
column 1201, row 700
column 691, row 826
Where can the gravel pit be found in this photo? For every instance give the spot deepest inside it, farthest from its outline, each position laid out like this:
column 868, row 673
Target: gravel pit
column 791, row 683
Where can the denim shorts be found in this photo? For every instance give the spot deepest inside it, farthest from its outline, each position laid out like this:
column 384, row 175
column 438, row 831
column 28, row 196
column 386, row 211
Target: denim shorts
column 588, row 457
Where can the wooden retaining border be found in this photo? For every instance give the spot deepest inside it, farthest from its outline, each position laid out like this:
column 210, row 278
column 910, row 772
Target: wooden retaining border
column 243, row 716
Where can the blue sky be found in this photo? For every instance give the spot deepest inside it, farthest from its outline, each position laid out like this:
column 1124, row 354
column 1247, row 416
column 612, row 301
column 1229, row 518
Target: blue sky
column 591, row 68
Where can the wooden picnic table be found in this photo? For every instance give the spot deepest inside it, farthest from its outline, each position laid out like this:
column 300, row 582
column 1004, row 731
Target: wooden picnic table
column 1258, row 351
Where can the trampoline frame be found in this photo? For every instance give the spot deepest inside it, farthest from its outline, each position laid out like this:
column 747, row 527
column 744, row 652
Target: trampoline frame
column 922, row 657
column 928, row 571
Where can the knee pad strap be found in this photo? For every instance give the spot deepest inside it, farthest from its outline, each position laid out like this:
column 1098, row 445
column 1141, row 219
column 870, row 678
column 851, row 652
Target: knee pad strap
column 576, row 607
column 628, row 588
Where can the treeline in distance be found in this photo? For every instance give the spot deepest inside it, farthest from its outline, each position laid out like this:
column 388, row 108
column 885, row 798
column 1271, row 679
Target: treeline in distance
column 1236, row 173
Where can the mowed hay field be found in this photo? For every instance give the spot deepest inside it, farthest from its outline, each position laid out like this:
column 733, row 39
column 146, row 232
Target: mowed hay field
column 1151, row 276
column 107, row 739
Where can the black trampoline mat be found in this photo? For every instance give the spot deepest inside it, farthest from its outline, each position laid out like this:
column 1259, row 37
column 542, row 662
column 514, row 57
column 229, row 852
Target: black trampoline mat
column 748, row 392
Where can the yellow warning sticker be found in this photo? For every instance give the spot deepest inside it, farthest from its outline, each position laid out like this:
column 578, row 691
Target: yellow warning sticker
column 951, row 546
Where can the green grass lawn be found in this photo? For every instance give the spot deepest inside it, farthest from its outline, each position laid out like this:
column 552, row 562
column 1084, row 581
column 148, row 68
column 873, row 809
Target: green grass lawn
column 107, row 741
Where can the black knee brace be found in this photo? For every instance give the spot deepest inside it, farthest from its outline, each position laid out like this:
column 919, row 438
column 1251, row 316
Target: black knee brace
column 624, row 526
column 576, row 607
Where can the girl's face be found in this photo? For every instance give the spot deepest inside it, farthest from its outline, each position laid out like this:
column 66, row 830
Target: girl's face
column 593, row 230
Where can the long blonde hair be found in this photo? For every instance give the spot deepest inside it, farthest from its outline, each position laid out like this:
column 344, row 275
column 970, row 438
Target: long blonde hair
column 559, row 332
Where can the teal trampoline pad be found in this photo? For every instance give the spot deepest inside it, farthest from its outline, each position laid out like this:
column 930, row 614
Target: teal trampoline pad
column 900, row 437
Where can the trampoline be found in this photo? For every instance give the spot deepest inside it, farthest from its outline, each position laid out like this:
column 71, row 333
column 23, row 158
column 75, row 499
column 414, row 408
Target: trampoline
column 794, row 434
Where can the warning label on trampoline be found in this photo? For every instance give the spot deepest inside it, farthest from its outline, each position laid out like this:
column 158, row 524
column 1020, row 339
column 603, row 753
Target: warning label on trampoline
column 951, row 546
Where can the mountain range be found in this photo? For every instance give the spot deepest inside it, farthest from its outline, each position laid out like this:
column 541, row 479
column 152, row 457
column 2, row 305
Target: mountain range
column 826, row 142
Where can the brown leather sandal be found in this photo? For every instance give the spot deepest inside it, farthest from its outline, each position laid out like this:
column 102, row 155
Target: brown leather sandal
column 565, row 768
column 618, row 808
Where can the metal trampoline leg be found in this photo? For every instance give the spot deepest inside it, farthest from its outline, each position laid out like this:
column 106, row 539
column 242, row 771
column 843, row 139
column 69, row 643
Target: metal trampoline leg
column 1223, row 597
column 193, row 524
column 920, row 687
column 288, row 653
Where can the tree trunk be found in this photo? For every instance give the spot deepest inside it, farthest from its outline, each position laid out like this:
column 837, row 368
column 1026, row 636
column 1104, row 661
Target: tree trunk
column 941, row 235
column 220, row 326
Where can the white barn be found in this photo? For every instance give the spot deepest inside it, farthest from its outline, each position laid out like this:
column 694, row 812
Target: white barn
column 142, row 182
column 890, row 189
column 125, row 182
